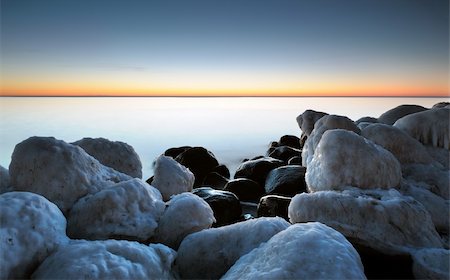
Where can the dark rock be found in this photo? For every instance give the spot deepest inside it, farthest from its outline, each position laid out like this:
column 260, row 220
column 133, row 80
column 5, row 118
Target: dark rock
column 272, row 147
column 257, row 157
column 366, row 119
column 391, row 116
column 225, row 205
column 284, row 153
column 174, row 152
column 215, row 180
column 200, row 161
column 290, row 141
column 150, row 180
column 273, row 206
column 295, row 160
column 245, row 189
column 222, row 170
column 249, row 208
column 257, row 169
column 303, row 138
column 286, row 180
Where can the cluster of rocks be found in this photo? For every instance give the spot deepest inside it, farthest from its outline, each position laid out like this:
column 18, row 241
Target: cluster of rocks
column 347, row 199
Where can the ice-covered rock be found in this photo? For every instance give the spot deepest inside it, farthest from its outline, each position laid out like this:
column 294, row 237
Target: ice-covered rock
column 430, row 127
column 381, row 219
column 307, row 120
column 61, row 172
column 109, row 259
column 430, row 177
column 211, row 252
column 185, row 213
column 326, row 123
column 391, row 116
column 115, row 154
column 343, row 158
column 442, row 104
column 31, row 228
column 431, row 264
column 366, row 120
column 171, row 178
column 129, row 210
column 302, row 251
column 5, row 182
column 440, row 155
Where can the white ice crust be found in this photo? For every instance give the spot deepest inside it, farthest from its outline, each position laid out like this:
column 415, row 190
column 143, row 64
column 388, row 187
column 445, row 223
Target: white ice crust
column 431, row 264
column 171, row 178
column 129, row 210
column 302, row 251
column 211, row 252
column 430, row 177
column 307, row 120
column 109, row 259
column 31, row 229
column 343, row 158
column 61, row 172
column 5, row 182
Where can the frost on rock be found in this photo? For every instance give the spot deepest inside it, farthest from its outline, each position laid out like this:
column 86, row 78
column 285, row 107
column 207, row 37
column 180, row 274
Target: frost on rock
column 61, row 172
column 171, row 178
column 115, row 154
column 343, row 158
column 129, row 210
column 380, row 219
column 109, row 259
column 5, row 183
column 211, row 252
column 307, row 120
column 185, row 213
column 431, row 127
column 430, row 177
column 302, row 251
column 440, row 155
column 391, row 116
column 326, row 123
column 31, row 228
column 431, row 264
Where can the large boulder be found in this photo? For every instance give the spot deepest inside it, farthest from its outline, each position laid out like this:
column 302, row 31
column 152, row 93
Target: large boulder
column 431, row 264
column 5, row 182
column 109, row 259
column 307, row 120
column 432, row 178
column 174, row 152
column 284, row 153
column 391, row 116
column 290, row 141
column 257, row 169
column 130, row 210
column 199, row 161
column 245, row 189
column 302, row 251
column 31, row 228
column 440, row 155
column 208, row 254
column 215, row 180
column 286, row 180
column 273, row 206
column 115, row 154
column 171, row 178
column 61, row 172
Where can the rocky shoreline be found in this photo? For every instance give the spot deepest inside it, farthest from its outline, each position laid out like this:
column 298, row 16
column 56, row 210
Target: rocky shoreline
column 345, row 199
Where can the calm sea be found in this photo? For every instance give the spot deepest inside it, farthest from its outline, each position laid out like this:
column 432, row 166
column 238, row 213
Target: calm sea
column 232, row 128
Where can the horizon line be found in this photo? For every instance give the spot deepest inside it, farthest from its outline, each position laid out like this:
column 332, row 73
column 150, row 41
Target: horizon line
column 220, row 96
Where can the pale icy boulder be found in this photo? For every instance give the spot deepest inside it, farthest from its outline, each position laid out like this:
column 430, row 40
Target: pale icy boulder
column 431, row 127
column 185, row 213
column 5, row 182
column 405, row 148
column 391, row 116
column 343, row 158
column 307, row 120
column 211, row 252
column 435, row 179
column 129, row 210
column 31, row 228
column 109, row 259
column 171, row 178
column 431, row 264
column 302, row 251
column 61, row 172
column 440, row 155
column 115, row 154
column 325, row 123
column 378, row 218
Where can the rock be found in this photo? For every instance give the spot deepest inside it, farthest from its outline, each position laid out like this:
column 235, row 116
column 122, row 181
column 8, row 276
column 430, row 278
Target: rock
column 431, row 264
column 441, row 105
column 118, row 155
column 381, row 219
column 274, row 206
column 249, row 208
column 429, row 177
column 150, row 180
column 5, row 182
column 307, row 120
column 302, row 251
column 222, row 170
column 284, row 153
column 61, row 172
column 109, row 259
column 185, row 213
column 431, row 127
column 440, row 155
column 290, row 141
column 245, row 189
column 130, row 210
column 286, row 180
column 31, row 229
column 225, row 205
column 174, row 152
column 343, row 158
column 257, row 169
column 366, row 120
column 215, row 180
column 391, row 116
column 208, row 254
column 199, row 161
column 297, row 160
column 171, row 178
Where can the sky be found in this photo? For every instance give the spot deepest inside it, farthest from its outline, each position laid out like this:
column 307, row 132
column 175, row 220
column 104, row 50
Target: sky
column 226, row 48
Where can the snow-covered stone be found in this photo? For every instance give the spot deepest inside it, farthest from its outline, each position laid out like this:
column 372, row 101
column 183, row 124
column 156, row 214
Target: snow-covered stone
column 185, row 213
column 129, row 210
column 211, row 252
column 31, row 228
column 392, row 115
column 115, row 154
column 431, row 264
column 435, row 179
column 343, row 158
column 61, row 172
column 5, row 183
column 302, row 251
column 109, row 259
column 381, row 219
column 307, row 120
column 171, row 178
column 431, row 127
column 440, row 155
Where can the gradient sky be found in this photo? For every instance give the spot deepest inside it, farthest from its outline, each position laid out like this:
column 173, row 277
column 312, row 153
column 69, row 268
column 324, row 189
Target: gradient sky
column 279, row 47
